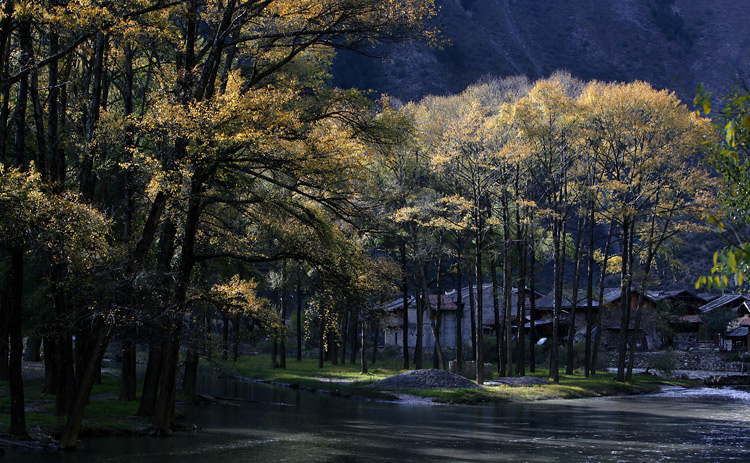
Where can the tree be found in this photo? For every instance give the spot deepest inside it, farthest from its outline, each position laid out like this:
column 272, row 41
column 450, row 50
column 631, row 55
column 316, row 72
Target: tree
column 547, row 123
column 173, row 116
column 730, row 155
column 58, row 227
column 650, row 145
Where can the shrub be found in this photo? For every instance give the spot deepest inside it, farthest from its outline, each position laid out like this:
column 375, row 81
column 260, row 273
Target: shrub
column 665, row 362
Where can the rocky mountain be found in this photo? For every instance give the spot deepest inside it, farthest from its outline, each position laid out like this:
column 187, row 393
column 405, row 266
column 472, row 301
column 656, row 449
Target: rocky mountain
column 674, row 44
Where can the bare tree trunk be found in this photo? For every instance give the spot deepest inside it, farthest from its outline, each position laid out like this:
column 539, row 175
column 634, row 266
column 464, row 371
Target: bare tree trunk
column 209, row 342
column 473, row 321
column 532, row 308
column 168, row 380
column 363, row 357
column 14, row 286
column 50, row 366
column 405, row 295
column 344, row 335
column 33, row 349
column 521, row 302
column 499, row 340
column 437, row 357
column 225, row 335
column 589, row 292
column 574, row 299
column 236, row 336
column 624, row 301
column 334, row 347
column 150, row 391
column 87, row 179
column 69, row 438
column 507, row 289
column 432, row 315
column 15, row 317
column 353, row 335
column 375, row 343
column 420, row 297
column 300, row 334
column 479, row 315
column 192, row 357
column 284, row 301
column 598, row 340
column 653, row 246
column 322, row 333
column 554, row 368
column 459, row 309
column 128, row 389
column 4, row 336
column 168, row 388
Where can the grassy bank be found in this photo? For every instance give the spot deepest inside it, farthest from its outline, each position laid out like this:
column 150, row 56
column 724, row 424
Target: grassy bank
column 105, row 414
column 347, row 380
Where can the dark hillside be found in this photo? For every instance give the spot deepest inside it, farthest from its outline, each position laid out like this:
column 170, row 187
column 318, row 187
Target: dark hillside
column 672, row 44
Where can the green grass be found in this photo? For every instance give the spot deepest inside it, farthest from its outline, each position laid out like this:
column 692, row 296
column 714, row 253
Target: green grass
column 347, row 380
column 105, row 414
column 344, row 380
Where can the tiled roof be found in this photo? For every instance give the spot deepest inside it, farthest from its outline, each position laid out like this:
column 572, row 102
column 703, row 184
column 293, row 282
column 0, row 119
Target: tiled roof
column 447, row 303
column 740, row 332
column 548, row 301
column 725, row 300
column 676, row 294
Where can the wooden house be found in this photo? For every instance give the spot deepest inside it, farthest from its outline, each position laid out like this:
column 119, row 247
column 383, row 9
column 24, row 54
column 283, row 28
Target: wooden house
column 730, row 307
column 447, row 316
column 737, row 304
column 686, row 322
column 546, row 305
column 647, row 337
column 739, row 337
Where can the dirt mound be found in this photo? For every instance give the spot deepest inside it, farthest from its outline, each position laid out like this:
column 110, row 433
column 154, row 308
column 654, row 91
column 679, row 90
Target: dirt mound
column 426, row 379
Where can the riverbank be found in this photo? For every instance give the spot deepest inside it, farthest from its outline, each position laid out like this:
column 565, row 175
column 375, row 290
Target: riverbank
column 348, row 381
column 105, row 413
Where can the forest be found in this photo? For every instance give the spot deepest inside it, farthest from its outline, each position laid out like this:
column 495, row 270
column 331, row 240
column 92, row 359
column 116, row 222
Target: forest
column 165, row 165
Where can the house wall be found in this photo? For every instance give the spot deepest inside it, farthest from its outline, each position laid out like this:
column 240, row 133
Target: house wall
column 448, row 337
column 648, row 337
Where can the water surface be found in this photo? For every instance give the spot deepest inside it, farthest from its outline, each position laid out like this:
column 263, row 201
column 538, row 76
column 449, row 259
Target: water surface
column 282, row 425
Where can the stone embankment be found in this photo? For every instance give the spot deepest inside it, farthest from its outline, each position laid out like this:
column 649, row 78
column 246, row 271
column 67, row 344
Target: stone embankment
column 699, row 359
column 703, row 365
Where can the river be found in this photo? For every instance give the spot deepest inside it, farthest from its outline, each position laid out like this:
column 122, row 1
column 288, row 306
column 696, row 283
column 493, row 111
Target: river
column 282, row 425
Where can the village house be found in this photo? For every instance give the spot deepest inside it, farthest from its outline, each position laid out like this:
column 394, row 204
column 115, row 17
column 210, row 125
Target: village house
column 684, row 305
column 546, row 305
column 446, row 317
column 610, row 313
column 690, row 311
column 739, row 337
column 725, row 317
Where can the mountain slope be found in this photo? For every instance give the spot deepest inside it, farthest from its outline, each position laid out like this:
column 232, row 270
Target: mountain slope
column 673, row 44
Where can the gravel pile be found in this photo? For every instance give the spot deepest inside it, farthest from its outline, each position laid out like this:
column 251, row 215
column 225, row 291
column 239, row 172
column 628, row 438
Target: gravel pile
column 426, row 379
column 520, row 381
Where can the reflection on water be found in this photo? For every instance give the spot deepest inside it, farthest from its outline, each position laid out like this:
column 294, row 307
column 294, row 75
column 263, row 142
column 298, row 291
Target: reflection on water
column 280, row 425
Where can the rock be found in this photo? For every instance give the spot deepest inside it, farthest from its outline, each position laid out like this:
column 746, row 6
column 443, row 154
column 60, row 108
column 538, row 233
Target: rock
column 728, row 380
